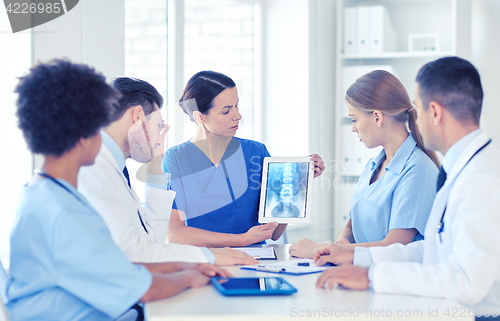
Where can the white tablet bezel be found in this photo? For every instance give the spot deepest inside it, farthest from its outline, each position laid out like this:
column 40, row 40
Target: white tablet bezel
column 263, row 190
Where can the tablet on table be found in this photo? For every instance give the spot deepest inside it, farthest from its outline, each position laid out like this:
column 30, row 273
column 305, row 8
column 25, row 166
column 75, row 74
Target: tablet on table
column 253, row 286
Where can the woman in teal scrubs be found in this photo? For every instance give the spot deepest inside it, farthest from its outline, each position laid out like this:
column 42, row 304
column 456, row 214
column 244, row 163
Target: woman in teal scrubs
column 217, row 176
column 395, row 191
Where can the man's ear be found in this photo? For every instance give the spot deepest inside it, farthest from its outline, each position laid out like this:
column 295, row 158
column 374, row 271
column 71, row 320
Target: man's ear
column 378, row 117
column 437, row 111
column 137, row 113
column 198, row 117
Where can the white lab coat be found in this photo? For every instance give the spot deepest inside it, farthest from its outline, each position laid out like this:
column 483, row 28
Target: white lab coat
column 106, row 189
column 465, row 266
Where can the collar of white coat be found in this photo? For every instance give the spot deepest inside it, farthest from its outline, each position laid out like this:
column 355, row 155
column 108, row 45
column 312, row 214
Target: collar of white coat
column 114, row 149
column 456, row 150
column 472, row 147
column 108, row 157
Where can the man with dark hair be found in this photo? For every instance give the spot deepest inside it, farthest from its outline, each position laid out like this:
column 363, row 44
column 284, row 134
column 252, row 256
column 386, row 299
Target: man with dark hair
column 453, row 83
column 460, row 256
column 64, row 263
column 140, row 230
column 136, row 92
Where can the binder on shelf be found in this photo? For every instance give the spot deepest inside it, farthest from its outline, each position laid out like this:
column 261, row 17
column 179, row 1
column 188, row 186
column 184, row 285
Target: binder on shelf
column 382, row 34
column 363, row 29
column 350, row 22
column 368, row 30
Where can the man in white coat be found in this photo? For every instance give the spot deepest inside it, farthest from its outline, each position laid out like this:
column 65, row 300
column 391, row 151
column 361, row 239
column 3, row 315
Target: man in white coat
column 138, row 131
column 460, row 256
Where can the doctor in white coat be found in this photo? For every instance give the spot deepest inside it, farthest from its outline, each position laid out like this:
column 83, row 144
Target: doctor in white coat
column 140, row 230
column 459, row 259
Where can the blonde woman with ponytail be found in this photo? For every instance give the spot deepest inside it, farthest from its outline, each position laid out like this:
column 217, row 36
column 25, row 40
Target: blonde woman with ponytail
column 396, row 189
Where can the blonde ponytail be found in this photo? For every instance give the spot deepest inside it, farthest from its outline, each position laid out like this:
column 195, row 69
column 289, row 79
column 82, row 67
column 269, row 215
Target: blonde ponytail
column 412, row 123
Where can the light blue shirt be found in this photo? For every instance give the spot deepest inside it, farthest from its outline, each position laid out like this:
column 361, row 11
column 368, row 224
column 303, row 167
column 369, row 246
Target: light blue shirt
column 400, row 199
column 64, row 263
column 120, row 160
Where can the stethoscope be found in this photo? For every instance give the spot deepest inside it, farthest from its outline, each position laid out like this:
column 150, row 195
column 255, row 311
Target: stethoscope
column 440, row 226
column 39, row 172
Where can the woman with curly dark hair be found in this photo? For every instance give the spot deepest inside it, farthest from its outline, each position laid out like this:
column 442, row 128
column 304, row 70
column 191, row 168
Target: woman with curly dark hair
column 64, row 263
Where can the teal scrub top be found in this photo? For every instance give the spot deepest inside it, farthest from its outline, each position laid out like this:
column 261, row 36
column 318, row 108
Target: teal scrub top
column 401, row 199
column 222, row 198
column 64, row 263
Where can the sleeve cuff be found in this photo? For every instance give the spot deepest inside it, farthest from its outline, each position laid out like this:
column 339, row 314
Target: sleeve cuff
column 370, row 276
column 210, row 256
column 158, row 181
column 362, row 257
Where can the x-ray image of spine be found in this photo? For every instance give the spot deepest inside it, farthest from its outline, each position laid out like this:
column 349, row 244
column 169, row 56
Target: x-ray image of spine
column 286, row 190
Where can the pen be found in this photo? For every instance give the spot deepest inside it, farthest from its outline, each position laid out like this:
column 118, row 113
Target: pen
column 269, row 269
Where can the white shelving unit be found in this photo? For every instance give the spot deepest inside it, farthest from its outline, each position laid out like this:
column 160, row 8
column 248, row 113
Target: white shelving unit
column 407, row 17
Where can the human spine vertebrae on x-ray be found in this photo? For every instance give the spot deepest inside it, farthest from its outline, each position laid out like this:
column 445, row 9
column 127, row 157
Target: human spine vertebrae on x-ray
column 290, row 195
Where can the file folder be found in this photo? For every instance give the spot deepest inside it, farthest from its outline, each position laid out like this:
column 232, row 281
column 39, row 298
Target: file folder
column 350, row 24
column 368, row 30
column 363, row 26
column 382, row 37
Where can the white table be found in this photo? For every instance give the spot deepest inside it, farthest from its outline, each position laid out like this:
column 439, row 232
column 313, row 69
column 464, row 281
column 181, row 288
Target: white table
column 208, row 304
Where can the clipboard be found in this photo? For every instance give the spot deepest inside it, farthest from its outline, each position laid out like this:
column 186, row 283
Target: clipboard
column 292, row 267
column 259, row 253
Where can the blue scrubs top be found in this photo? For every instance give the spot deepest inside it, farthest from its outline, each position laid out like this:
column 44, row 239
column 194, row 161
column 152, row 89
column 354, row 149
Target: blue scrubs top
column 222, row 199
column 401, row 199
column 64, row 263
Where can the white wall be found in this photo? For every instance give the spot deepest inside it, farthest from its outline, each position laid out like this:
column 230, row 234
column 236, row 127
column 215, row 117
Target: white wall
column 321, row 116
column 485, row 56
column 15, row 159
column 91, row 33
column 286, row 77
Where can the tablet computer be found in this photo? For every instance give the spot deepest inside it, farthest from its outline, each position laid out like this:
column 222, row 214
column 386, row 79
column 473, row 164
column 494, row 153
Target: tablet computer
column 253, row 286
column 285, row 194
